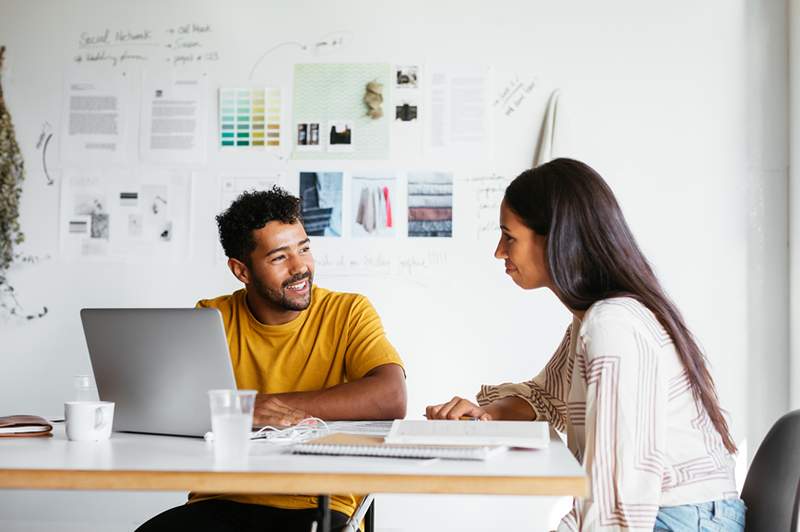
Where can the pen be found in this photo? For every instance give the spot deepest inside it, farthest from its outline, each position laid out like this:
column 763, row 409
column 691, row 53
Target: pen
column 462, row 418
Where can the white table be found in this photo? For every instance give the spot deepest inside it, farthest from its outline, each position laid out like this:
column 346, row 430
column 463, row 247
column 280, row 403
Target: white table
column 165, row 463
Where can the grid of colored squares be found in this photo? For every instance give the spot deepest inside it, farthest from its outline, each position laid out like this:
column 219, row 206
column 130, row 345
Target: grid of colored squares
column 250, row 117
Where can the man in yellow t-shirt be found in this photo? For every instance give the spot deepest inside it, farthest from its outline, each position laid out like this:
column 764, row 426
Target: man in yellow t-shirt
column 308, row 351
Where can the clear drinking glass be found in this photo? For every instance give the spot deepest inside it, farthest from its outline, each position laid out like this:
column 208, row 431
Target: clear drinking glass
column 82, row 388
column 231, row 422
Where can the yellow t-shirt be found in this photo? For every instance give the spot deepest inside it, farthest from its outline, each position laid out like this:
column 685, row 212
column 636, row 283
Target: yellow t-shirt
column 338, row 338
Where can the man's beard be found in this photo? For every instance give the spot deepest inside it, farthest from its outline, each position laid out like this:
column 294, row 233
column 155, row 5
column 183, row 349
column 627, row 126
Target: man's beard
column 279, row 297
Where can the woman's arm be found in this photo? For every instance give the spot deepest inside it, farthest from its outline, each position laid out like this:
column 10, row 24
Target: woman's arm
column 542, row 398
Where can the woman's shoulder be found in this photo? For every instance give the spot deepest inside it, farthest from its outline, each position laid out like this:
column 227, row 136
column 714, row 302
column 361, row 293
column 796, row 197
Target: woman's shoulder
column 623, row 315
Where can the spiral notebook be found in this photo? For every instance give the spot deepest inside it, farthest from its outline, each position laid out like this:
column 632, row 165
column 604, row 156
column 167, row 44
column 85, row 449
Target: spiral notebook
column 339, row 444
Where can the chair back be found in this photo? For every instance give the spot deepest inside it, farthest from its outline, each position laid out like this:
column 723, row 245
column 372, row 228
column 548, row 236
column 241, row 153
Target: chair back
column 771, row 489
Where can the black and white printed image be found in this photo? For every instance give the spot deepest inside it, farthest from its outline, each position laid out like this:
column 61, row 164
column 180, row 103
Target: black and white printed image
column 94, row 206
column 128, row 199
column 406, row 77
column 135, row 225
column 165, row 233
column 341, row 133
column 78, row 227
column 302, row 134
column 308, row 136
column 100, row 227
column 405, row 112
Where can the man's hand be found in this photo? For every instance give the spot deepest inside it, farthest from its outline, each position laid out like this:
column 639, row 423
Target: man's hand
column 269, row 410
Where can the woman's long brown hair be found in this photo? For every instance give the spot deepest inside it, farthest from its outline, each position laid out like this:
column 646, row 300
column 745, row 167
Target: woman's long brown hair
column 592, row 255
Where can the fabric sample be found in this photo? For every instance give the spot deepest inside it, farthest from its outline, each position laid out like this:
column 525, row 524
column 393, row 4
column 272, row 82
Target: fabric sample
column 430, row 213
column 430, row 201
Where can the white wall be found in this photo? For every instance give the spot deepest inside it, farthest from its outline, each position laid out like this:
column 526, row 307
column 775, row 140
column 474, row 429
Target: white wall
column 768, row 227
column 658, row 97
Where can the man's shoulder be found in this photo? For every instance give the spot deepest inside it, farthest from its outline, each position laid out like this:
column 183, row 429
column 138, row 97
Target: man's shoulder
column 344, row 301
column 223, row 302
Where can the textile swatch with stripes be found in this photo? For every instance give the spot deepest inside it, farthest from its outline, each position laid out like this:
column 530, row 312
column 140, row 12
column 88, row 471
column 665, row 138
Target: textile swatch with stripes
column 430, row 204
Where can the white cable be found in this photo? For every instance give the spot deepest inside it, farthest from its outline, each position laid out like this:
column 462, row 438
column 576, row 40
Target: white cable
column 306, row 429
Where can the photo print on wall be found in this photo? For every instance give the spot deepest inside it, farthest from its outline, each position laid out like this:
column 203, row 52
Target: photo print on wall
column 373, row 198
column 321, row 199
column 430, row 204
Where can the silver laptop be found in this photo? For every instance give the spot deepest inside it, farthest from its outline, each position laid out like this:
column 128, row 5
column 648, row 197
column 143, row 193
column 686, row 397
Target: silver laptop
column 157, row 365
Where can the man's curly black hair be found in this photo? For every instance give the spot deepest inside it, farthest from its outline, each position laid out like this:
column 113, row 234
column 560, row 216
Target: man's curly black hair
column 252, row 211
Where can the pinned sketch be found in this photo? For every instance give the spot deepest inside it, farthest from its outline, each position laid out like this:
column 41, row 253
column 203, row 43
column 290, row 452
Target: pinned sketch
column 321, row 200
column 110, row 215
column 250, row 118
column 373, row 203
column 95, row 121
column 486, row 194
column 332, row 95
column 459, row 121
column 174, row 121
column 430, row 204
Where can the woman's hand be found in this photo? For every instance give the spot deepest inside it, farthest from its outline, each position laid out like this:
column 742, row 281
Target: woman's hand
column 456, row 408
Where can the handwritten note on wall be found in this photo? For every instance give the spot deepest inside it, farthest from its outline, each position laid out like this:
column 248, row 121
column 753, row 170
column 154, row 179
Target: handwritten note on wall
column 177, row 45
column 513, row 94
column 487, row 193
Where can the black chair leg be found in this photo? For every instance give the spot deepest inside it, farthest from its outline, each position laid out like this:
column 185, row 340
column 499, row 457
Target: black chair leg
column 369, row 519
column 324, row 513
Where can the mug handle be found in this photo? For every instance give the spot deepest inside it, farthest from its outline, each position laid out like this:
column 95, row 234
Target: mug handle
column 99, row 418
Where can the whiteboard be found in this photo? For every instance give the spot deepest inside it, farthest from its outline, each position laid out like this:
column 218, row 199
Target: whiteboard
column 629, row 107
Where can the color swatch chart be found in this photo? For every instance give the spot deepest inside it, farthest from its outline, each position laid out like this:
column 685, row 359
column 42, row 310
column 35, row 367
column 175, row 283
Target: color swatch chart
column 250, row 118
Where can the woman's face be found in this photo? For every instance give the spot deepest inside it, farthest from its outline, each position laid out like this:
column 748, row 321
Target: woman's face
column 522, row 250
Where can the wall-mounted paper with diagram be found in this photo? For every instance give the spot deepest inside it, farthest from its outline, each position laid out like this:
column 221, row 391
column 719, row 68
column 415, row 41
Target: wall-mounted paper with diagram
column 111, row 215
column 174, row 121
column 95, row 121
column 349, row 105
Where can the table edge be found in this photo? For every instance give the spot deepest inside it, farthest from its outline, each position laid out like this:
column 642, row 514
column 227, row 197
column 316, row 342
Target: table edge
column 288, row 482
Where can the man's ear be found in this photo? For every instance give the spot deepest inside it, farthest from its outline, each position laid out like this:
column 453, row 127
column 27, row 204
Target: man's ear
column 239, row 270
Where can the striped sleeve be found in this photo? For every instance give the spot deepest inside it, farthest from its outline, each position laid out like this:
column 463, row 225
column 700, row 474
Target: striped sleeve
column 625, row 409
column 547, row 392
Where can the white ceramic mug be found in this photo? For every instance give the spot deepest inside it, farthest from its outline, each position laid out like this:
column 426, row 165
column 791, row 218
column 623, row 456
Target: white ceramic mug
column 89, row 420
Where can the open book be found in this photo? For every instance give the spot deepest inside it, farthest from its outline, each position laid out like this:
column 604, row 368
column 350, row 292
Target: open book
column 340, row 444
column 525, row 434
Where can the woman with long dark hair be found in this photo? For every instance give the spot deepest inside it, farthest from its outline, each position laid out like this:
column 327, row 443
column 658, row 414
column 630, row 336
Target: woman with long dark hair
column 628, row 384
